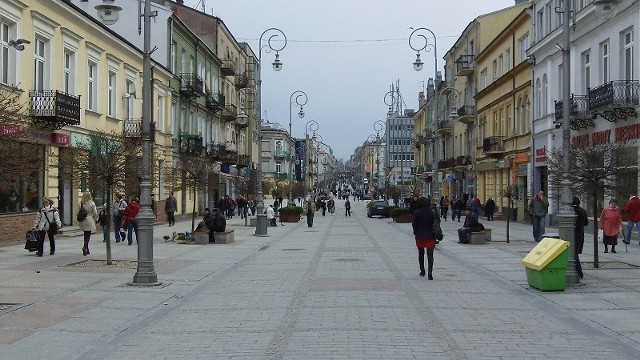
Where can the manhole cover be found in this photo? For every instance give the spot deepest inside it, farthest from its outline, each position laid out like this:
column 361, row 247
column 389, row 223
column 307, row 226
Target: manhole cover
column 348, row 259
column 292, row 249
column 609, row 265
column 102, row 264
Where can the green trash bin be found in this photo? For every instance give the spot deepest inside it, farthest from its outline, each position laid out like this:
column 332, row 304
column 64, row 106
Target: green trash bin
column 546, row 265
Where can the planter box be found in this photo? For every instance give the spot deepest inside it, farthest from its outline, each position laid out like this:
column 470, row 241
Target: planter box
column 289, row 217
column 200, row 238
column 404, row 218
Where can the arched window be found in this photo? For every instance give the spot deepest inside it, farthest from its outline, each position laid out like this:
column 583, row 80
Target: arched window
column 545, row 94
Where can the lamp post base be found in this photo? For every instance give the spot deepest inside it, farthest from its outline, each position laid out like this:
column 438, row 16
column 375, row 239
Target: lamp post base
column 261, row 225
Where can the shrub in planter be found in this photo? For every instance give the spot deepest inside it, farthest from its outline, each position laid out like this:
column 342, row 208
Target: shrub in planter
column 290, row 213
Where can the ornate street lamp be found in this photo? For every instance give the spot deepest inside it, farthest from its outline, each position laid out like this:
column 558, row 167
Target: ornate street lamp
column 261, row 221
column 313, row 126
column 300, row 100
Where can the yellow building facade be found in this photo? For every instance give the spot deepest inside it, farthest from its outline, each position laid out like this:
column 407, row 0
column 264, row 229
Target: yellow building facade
column 503, row 131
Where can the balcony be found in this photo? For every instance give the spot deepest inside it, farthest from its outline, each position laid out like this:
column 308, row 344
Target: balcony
column 447, row 164
column 215, row 101
column 444, row 127
column 132, row 128
column 280, row 155
column 230, row 113
column 280, row 175
column 615, row 100
column 242, row 81
column 190, row 144
column 243, row 161
column 228, row 67
column 463, row 160
column 54, row 109
column 191, row 85
column 215, row 151
column 229, row 157
column 493, row 145
column 580, row 118
column 467, row 114
column 465, row 65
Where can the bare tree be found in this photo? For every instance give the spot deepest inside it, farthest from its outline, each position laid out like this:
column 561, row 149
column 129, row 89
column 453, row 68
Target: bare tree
column 195, row 169
column 103, row 162
column 596, row 170
column 510, row 192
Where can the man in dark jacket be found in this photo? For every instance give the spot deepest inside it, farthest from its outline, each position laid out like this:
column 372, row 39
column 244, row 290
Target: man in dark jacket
column 471, row 224
column 209, row 221
column 170, row 207
column 578, row 232
column 489, row 209
column 458, row 208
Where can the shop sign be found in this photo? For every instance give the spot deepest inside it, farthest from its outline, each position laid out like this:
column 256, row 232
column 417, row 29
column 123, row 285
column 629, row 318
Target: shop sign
column 60, row 139
column 541, row 154
column 9, row 129
column 522, row 170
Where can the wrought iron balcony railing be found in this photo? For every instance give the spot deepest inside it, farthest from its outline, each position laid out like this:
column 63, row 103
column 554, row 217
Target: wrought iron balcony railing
column 191, row 84
column 493, row 145
column 615, row 100
column 242, row 81
column 215, row 151
column 215, row 101
column 244, row 161
column 467, row 114
column 446, row 164
column 230, row 113
column 228, row 67
column 280, row 154
column 229, row 156
column 463, row 160
column 190, row 144
column 132, row 128
column 54, row 109
column 580, row 118
column 465, row 65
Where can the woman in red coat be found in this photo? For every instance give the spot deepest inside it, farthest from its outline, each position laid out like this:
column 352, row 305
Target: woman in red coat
column 610, row 223
column 422, row 223
column 131, row 212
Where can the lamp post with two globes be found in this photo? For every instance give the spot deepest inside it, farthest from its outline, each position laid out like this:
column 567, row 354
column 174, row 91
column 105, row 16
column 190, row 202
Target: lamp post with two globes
column 300, row 100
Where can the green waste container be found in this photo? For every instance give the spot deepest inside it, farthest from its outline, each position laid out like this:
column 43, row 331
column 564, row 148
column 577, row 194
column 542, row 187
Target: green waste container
column 546, row 265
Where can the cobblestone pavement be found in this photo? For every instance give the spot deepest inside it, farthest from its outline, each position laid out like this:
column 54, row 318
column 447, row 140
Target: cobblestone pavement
column 347, row 288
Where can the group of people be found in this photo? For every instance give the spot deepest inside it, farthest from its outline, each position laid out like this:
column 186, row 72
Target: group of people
column 244, row 207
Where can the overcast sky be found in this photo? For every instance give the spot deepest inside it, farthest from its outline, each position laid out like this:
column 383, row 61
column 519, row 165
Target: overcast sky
column 345, row 54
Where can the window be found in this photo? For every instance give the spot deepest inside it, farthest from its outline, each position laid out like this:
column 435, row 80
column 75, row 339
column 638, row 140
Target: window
column 68, row 78
column 604, row 48
column 160, row 114
column 111, row 111
column 483, row 79
column 278, row 166
column 539, row 25
column 92, row 88
column 4, row 56
column 524, row 45
column 507, row 63
column 495, row 70
column 39, row 65
column 500, row 65
column 545, row 94
column 130, row 87
column 538, row 98
column 628, row 55
column 548, row 25
column 586, row 72
column 173, row 59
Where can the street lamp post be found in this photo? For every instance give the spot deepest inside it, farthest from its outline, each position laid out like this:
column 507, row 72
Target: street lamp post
column 315, row 143
column 379, row 126
column 313, row 126
column 145, row 274
column 261, row 218
column 299, row 102
column 426, row 34
column 242, row 121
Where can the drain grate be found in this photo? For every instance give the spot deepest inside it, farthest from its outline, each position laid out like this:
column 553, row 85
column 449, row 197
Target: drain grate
column 609, row 265
column 102, row 264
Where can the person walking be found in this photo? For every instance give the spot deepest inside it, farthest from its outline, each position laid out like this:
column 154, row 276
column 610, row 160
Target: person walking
column 122, row 219
column 131, row 212
column 115, row 218
column 310, row 210
column 489, row 209
column 610, row 224
column 170, row 207
column 47, row 223
column 347, row 208
column 88, row 224
column 103, row 221
column 475, row 206
column 444, row 207
column 422, row 224
column 578, row 233
column 459, row 208
column 538, row 209
column 632, row 209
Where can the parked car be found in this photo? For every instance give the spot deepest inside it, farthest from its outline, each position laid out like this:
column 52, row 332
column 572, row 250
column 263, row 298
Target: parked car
column 378, row 207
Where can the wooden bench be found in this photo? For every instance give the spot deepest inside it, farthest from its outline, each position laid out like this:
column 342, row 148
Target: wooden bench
column 480, row 237
column 225, row 237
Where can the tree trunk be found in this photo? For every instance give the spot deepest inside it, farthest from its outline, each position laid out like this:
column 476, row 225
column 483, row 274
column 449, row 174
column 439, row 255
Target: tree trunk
column 595, row 229
column 193, row 214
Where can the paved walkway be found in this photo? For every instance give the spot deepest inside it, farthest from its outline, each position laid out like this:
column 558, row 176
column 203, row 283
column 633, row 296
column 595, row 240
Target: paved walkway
column 348, row 288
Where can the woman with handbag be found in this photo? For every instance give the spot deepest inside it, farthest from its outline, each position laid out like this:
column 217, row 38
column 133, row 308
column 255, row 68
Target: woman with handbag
column 88, row 223
column 47, row 222
column 422, row 223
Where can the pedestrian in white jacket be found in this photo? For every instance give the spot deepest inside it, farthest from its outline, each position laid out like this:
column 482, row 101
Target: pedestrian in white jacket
column 47, row 222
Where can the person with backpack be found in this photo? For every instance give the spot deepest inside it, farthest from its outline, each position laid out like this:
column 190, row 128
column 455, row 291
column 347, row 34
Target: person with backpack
column 48, row 222
column 310, row 210
column 87, row 216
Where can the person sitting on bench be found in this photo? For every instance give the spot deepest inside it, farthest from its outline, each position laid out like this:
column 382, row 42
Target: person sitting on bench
column 471, row 224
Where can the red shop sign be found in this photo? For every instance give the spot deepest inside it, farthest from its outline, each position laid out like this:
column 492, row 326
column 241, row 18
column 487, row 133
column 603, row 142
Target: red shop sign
column 9, row 129
column 60, row 139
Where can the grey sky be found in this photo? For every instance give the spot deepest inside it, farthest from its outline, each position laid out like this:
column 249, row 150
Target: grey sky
column 344, row 54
